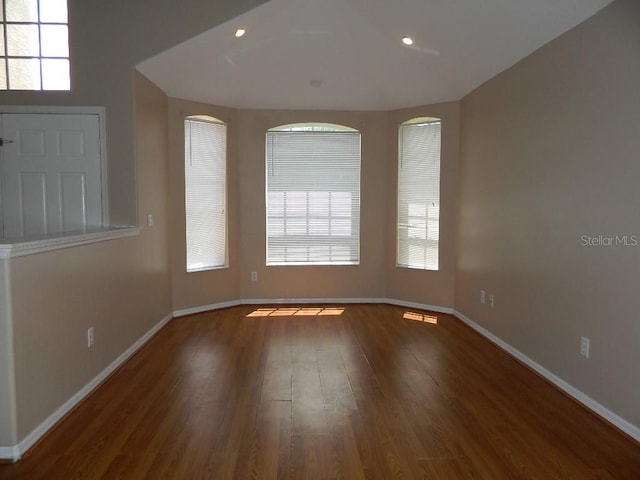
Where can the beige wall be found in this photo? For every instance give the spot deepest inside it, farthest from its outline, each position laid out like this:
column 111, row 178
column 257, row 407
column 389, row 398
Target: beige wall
column 376, row 277
column 549, row 153
column 290, row 282
column 8, row 435
column 197, row 289
column 246, row 184
column 120, row 287
column 422, row 286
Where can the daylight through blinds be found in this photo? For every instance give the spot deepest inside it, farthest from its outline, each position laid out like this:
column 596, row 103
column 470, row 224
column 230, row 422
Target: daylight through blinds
column 419, row 195
column 205, row 193
column 313, row 196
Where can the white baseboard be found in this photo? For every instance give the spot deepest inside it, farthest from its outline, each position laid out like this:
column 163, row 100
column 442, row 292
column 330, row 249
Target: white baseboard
column 305, row 301
column 10, row 453
column 14, row 453
column 420, row 306
column 272, row 301
column 205, row 308
column 630, row 429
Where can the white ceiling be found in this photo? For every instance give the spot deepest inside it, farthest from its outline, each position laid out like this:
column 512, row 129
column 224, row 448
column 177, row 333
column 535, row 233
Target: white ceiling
column 352, row 48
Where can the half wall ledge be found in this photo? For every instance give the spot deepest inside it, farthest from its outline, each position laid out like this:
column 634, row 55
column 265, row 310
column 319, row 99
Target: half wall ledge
column 18, row 247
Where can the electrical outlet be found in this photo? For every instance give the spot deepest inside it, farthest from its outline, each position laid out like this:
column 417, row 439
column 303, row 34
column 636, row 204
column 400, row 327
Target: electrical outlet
column 585, row 345
column 150, row 221
column 492, row 300
column 90, row 337
column 254, row 276
column 483, row 296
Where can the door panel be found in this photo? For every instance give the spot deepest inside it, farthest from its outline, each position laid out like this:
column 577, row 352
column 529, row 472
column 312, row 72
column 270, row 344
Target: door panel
column 33, row 203
column 72, row 200
column 51, row 174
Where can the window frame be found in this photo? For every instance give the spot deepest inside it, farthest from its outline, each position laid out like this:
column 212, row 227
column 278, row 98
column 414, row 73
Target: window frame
column 207, row 119
column 336, row 252
column 5, row 57
column 421, row 220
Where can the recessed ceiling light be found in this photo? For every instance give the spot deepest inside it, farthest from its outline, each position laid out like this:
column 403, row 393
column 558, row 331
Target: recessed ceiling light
column 240, row 32
column 407, row 40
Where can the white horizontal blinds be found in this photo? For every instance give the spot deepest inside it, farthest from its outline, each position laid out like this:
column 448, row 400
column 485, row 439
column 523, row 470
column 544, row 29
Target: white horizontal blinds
column 419, row 195
column 313, row 197
column 205, row 193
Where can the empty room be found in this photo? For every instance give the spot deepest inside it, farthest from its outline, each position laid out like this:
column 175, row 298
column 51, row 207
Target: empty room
column 319, row 239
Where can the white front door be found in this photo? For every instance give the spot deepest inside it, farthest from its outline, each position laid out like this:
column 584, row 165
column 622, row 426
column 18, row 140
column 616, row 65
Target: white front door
column 51, row 173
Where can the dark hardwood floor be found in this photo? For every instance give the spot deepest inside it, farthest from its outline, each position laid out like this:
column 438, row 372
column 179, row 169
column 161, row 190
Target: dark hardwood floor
column 352, row 392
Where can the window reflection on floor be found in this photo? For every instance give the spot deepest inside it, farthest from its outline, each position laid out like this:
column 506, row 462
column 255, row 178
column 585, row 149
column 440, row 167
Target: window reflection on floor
column 295, row 311
column 421, row 317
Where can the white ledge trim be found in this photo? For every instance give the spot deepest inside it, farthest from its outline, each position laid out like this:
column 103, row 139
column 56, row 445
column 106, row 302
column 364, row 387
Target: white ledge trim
column 19, row 248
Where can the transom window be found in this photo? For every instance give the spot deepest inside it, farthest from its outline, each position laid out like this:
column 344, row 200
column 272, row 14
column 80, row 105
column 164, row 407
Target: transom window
column 419, row 193
column 313, row 195
column 34, row 45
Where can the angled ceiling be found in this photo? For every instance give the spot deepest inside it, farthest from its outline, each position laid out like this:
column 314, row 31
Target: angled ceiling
column 348, row 55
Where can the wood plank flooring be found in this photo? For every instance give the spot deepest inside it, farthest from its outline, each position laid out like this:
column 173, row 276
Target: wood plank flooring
column 352, row 392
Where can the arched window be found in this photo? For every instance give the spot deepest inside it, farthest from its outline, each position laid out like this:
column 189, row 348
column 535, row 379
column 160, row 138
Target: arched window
column 418, row 229
column 313, row 195
column 205, row 166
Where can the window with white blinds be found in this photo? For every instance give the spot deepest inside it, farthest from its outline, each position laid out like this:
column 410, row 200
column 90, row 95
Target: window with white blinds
column 313, row 195
column 205, row 192
column 419, row 193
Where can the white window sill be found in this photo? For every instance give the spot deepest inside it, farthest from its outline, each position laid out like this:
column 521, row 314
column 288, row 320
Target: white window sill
column 18, row 247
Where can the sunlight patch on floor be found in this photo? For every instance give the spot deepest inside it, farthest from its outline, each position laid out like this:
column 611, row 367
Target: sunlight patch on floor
column 295, row 311
column 421, row 317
